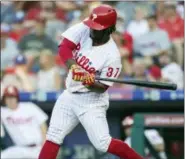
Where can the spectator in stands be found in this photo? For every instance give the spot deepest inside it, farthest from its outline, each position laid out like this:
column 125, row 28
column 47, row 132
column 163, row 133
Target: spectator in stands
column 10, row 11
column 46, row 10
column 154, row 73
column 31, row 44
column 69, row 8
column 18, row 28
column 171, row 71
column 139, row 25
column 128, row 8
column 54, row 28
column 20, row 76
column 6, row 12
column 124, row 42
column 180, row 8
column 153, row 43
column 85, row 11
column 54, row 17
column 2, row 85
column 37, row 40
column 49, row 78
column 159, row 11
column 152, row 135
column 139, row 69
column 173, row 24
column 54, row 25
column 144, row 69
column 9, row 48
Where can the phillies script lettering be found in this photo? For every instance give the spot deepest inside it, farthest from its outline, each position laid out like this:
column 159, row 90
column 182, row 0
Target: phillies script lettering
column 83, row 61
column 18, row 121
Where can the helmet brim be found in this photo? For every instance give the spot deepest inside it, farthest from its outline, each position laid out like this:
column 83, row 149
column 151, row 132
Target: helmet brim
column 93, row 25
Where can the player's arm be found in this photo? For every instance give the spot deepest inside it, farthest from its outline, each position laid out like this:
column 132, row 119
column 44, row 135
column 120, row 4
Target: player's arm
column 65, row 51
column 98, row 87
column 43, row 128
column 71, row 38
column 111, row 70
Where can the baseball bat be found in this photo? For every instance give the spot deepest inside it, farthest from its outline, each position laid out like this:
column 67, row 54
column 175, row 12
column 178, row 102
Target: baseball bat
column 157, row 85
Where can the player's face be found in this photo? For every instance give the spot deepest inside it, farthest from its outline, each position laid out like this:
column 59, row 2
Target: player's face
column 152, row 23
column 11, row 102
column 99, row 36
column 139, row 69
column 96, row 34
column 128, row 131
column 163, row 60
column 46, row 60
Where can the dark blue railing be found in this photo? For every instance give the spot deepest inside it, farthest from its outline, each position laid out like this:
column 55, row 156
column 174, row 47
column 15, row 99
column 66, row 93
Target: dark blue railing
column 115, row 94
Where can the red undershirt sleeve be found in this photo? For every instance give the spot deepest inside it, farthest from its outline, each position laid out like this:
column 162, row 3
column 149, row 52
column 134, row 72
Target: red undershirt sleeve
column 65, row 49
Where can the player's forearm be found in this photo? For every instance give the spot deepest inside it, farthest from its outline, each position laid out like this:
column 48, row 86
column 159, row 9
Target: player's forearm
column 98, row 87
column 69, row 63
column 43, row 128
column 65, row 51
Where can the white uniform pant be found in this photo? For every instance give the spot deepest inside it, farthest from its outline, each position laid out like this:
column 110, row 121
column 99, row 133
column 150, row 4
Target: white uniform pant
column 20, row 152
column 86, row 108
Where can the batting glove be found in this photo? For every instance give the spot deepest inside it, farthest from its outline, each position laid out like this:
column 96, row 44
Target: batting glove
column 78, row 73
column 89, row 80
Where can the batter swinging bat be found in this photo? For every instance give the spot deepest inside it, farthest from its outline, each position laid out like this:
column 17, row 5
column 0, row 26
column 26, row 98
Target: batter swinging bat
column 159, row 85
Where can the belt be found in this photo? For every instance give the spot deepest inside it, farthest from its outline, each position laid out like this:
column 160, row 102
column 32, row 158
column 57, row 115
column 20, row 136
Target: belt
column 32, row 145
column 80, row 92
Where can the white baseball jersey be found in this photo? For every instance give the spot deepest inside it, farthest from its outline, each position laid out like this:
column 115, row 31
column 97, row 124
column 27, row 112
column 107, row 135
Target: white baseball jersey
column 104, row 60
column 88, row 108
column 23, row 124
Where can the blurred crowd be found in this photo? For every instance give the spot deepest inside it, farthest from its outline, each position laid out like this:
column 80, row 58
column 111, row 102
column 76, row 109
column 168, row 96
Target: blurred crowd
column 150, row 37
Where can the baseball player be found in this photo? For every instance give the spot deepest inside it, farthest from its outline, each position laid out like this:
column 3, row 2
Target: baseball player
column 88, row 50
column 151, row 134
column 25, row 123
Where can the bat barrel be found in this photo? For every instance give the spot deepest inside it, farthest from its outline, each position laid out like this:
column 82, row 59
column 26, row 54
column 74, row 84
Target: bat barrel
column 157, row 85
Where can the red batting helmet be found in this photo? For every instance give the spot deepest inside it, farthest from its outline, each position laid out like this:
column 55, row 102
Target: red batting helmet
column 128, row 121
column 11, row 91
column 102, row 17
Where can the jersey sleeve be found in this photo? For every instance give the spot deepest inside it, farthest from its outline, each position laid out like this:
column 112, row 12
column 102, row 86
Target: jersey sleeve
column 39, row 114
column 75, row 33
column 111, row 69
column 153, row 137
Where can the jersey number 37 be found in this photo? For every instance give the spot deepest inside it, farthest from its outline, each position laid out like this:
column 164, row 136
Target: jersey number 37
column 112, row 72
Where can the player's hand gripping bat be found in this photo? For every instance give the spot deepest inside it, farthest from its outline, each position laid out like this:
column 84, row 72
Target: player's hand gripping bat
column 157, row 85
